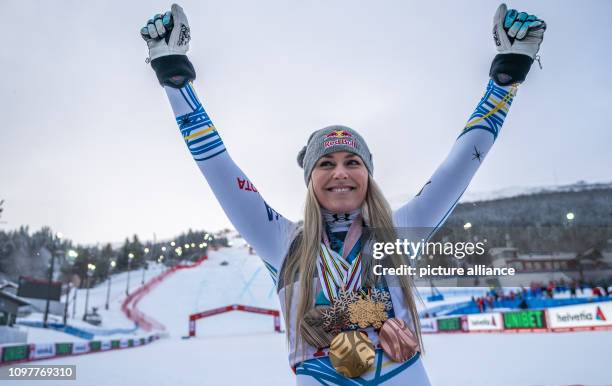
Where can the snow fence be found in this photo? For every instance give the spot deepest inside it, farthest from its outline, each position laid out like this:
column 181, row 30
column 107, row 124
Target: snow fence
column 581, row 317
column 12, row 354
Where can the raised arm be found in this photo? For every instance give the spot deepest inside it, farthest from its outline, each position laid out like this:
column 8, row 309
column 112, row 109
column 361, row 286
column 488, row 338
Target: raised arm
column 517, row 37
column 440, row 194
column 261, row 226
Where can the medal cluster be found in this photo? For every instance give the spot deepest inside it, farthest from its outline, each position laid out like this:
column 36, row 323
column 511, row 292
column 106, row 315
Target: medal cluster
column 352, row 310
column 351, row 351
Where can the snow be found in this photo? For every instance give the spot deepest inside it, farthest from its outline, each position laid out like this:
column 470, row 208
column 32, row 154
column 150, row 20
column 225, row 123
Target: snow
column 237, row 348
column 39, row 335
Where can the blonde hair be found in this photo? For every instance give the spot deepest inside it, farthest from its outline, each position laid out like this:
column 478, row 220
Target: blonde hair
column 300, row 264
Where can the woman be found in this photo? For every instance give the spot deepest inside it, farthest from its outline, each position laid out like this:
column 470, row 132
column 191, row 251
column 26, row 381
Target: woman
column 322, row 280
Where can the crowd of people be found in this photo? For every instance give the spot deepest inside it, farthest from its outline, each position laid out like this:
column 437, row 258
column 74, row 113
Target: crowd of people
column 541, row 290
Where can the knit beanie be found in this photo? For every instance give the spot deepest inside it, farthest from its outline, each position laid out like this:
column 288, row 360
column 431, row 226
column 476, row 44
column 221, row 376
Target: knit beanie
column 331, row 139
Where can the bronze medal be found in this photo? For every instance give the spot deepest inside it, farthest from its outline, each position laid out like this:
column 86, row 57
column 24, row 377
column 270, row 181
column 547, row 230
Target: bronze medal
column 312, row 328
column 397, row 341
column 351, row 353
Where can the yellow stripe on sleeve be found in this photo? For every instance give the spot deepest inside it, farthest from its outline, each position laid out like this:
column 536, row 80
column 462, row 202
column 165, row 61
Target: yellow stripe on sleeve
column 200, row 133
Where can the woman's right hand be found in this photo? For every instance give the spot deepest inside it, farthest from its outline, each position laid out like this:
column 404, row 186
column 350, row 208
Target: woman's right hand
column 167, row 37
column 167, row 34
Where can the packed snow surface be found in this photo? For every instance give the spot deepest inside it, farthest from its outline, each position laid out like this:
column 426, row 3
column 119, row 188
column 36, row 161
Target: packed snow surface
column 238, row 348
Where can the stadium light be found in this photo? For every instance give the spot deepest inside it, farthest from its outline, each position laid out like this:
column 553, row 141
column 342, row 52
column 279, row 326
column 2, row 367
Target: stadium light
column 90, row 270
column 113, row 264
column 127, row 283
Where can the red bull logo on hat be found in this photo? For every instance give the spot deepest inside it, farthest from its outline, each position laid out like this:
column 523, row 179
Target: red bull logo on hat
column 338, row 134
column 340, row 141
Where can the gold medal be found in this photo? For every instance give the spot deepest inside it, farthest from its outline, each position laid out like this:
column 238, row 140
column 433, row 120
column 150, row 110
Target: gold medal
column 366, row 312
column 351, row 353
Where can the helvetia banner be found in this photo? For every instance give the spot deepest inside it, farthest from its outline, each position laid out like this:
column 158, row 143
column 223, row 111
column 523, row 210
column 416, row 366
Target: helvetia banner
column 590, row 315
column 42, row 350
column 80, row 347
column 485, row 322
column 429, row 325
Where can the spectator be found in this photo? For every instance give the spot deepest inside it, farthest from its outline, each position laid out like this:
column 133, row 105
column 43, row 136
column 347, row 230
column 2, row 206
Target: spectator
column 573, row 290
column 481, row 305
column 597, row 292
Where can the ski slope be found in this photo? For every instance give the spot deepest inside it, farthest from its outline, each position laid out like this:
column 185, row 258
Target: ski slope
column 238, row 348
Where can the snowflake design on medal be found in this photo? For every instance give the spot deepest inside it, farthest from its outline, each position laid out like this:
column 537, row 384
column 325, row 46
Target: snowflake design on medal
column 336, row 317
column 382, row 296
column 365, row 312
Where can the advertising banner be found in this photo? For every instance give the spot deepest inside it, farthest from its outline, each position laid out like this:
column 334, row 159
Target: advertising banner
column 450, row 324
column 583, row 316
column 42, row 350
column 15, row 353
column 532, row 320
column 429, row 325
column 485, row 322
column 80, row 347
column 105, row 345
column 95, row 345
column 123, row 343
column 63, row 348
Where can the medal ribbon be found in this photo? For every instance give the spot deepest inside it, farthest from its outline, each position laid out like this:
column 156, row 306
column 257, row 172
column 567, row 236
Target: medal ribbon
column 334, row 270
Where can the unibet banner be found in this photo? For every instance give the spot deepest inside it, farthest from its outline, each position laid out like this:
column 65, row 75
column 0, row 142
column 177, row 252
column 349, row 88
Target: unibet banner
column 485, row 322
column 429, row 325
column 95, row 345
column 63, row 348
column 449, row 324
column 15, row 353
column 524, row 320
column 582, row 315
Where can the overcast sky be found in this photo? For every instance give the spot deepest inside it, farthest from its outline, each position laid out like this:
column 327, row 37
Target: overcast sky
column 89, row 145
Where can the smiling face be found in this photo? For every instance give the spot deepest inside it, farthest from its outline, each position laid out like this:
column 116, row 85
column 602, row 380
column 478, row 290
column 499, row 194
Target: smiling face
column 340, row 181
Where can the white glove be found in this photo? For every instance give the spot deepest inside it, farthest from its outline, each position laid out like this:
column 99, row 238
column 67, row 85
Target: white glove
column 517, row 33
column 518, row 37
column 167, row 37
column 167, row 34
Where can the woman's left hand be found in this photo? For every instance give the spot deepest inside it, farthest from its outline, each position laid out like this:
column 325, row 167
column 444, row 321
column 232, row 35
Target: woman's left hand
column 517, row 32
column 517, row 36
